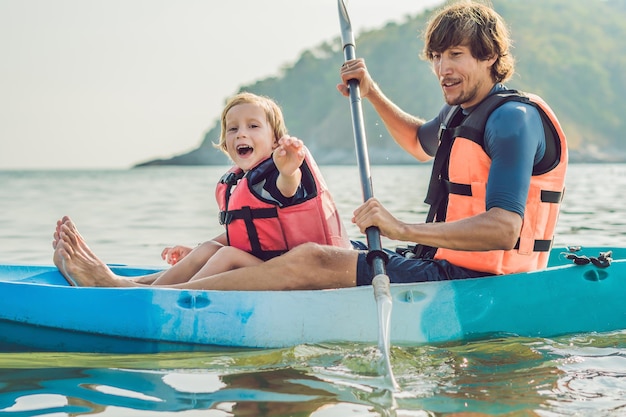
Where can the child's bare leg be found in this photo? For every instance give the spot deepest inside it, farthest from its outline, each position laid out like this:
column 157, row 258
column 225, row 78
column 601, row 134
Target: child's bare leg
column 188, row 267
column 147, row 279
column 226, row 259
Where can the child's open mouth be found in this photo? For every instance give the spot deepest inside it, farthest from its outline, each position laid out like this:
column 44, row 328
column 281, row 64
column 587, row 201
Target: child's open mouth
column 244, row 150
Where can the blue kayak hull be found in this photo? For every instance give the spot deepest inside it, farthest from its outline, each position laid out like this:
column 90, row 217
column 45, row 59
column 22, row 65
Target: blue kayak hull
column 39, row 311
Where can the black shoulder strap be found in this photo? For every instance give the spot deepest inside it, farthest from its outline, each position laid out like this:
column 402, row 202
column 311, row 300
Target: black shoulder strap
column 435, row 194
column 474, row 124
column 473, row 127
column 231, row 178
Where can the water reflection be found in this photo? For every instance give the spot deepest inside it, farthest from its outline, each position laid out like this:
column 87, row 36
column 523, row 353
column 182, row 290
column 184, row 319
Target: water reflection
column 508, row 376
column 79, row 391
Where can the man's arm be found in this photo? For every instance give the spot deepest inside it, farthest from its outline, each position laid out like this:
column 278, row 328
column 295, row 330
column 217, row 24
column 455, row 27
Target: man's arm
column 402, row 126
column 495, row 229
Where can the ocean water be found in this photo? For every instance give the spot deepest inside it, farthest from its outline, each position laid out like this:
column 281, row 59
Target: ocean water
column 128, row 216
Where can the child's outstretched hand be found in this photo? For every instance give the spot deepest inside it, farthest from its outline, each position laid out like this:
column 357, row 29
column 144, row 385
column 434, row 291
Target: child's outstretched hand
column 288, row 157
column 289, row 154
column 174, row 254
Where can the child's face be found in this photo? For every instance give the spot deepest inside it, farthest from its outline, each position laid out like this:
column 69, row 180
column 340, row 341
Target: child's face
column 249, row 136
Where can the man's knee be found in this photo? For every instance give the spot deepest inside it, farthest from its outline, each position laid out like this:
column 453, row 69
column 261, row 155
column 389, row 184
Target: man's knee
column 309, row 252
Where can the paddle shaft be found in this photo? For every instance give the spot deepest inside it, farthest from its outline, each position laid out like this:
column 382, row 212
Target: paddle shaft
column 360, row 141
column 372, row 233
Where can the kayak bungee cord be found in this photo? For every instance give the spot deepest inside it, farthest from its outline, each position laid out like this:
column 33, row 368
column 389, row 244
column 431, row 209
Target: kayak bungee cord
column 376, row 256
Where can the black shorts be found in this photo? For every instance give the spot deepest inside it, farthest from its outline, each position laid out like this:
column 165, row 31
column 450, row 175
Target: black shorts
column 404, row 270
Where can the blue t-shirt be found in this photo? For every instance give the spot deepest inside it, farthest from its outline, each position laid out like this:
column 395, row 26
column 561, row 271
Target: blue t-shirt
column 515, row 142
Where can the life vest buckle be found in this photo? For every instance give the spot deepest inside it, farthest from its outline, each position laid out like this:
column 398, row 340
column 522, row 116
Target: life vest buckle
column 225, row 217
column 230, row 178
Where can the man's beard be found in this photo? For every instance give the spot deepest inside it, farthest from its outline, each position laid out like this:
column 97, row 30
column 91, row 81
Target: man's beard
column 463, row 98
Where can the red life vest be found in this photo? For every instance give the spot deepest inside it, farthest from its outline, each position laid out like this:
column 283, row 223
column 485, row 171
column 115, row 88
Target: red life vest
column 261, row 226
column 466, row 182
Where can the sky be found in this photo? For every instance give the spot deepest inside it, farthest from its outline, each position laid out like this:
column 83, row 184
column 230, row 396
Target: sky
column 110, row 83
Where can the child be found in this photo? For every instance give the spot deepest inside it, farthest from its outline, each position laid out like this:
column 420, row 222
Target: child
column 272, row 200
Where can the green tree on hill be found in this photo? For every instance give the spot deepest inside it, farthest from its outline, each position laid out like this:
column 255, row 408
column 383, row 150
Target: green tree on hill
column 570, row 52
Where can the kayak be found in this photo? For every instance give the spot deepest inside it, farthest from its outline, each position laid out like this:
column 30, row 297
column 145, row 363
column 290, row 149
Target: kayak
column 39, row 311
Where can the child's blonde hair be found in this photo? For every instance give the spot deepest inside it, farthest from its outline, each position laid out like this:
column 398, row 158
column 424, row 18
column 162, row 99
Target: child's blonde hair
column 272, row 111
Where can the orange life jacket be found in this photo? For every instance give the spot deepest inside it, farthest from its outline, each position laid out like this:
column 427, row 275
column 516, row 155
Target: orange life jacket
column 466, row 182
column 260, row 226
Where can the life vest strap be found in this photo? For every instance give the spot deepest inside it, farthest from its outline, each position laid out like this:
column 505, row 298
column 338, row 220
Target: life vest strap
column 456, row 188
column 245, row 213
column 547, row 196
column 551, row 196
column 540, row 245
column 248, row 214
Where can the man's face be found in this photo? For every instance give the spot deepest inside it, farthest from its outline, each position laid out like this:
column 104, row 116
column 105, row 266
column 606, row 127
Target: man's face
column 464, row 80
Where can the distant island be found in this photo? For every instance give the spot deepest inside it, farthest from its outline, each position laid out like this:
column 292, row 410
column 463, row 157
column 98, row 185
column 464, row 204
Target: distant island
column 571, row 53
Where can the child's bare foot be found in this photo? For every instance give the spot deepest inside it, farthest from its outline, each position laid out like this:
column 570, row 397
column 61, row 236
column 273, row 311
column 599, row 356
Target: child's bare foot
column 78, row 264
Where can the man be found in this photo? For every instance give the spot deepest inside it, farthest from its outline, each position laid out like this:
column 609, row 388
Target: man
column 495, row 190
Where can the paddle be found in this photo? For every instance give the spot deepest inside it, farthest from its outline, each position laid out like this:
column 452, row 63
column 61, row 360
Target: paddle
column 376, row 256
